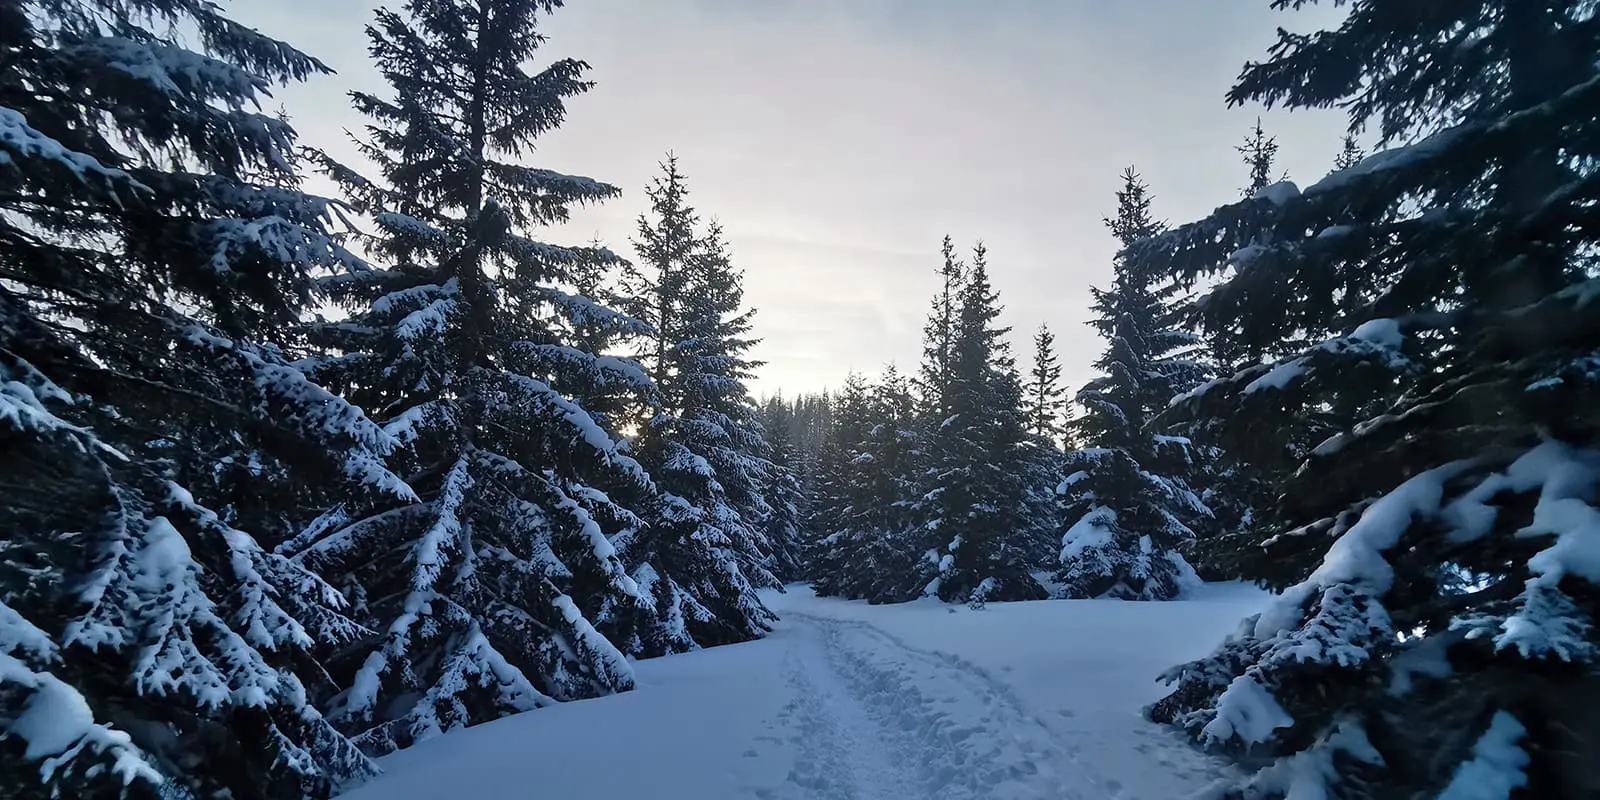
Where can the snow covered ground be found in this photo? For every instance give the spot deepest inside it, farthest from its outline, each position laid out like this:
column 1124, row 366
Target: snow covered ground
column 847, row 701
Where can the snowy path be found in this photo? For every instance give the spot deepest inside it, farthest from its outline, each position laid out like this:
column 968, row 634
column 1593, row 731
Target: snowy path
column 846, row 701
column 876, row 719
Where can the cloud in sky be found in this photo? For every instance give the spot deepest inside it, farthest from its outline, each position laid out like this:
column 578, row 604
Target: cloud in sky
column 839, row 140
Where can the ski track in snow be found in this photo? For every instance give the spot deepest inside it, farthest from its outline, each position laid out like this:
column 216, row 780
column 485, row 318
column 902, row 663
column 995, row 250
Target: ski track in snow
column 875, row 719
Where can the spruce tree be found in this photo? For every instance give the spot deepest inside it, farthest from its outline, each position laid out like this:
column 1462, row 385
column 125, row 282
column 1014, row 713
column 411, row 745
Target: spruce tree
column 799, row 434
column 1350, row 154
column 501, row 590
column 869, row 550
column 1240, row 475
column 708, row 551
column 1260, row 154
column 784, row 489
column 938, row 335
column 1435, row 635
column 152, row 243
column 1227, row 351
column 848, row 494
column 1046, row 402
column 972, row 507
column 1045, row 405
column 1130, row 508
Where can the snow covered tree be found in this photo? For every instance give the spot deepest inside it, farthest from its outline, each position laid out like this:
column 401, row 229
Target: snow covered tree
column 805, row 421
column 714, row 369
column 500, row 590
column 1129, row 507
column 973, row 464
column 708, row 550
column 1435, row 636
column 1044, row 407
column 1241, row 474
column 1046, row 402
column 824, row 554
column 1226, row 350
column 867, row 550
column 928, row 494
column 841, row 494
column 784, row 491
column 152, row 240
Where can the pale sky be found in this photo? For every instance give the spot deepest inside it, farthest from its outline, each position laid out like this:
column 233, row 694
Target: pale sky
column 839, row 140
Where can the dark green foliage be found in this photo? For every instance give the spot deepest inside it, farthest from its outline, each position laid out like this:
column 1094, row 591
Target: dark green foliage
column 1260, row 153
column 935, row 492
column 865, row 547
column 153, row 244
column 784, row 491
column 1129, row 505
column 1350, row 154
column 1447, row 411
column 709, row 548
column 973, row 478
column 1046, row 401
column 501, row 590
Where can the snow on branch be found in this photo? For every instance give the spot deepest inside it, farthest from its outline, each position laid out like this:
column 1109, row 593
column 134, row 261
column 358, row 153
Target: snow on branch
column 1497, row 767
column 144, row 597
column 443, row 537
column 24, row 391
column 476, row 663
column 284, row 393
column 1545, row 620
column 584, row 312
column 21, row 143
column 1356, row 558
column 599, row 546
column 53, row 718
column 605, row 371
column 173, row 70
column 262, row 582
column 576, row 419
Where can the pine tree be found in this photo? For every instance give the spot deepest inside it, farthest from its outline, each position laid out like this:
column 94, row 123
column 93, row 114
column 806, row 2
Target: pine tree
column 1046, row 402
column 1260, row 153
column 798, row 432
column 784, row 489
column 868, row 550
column 1225, row 349
column 1240, row 479
column 848, row 494
column 502, row 589
column 152, row 242
column 709, row 551
column 1045, row 405
column 972, row 512
column 1435, row 634
column 1350, row 154
column 938, row 335
column 1130, row 508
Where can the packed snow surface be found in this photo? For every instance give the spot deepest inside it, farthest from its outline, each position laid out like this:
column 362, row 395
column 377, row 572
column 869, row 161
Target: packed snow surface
column 846, row 701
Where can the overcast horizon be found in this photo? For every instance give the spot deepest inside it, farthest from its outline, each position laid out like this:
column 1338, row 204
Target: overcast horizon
column 839, row 140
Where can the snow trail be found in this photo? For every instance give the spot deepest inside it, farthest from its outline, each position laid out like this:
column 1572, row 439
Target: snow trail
column 874, row 718
column 839, row 747
column 848, row 701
